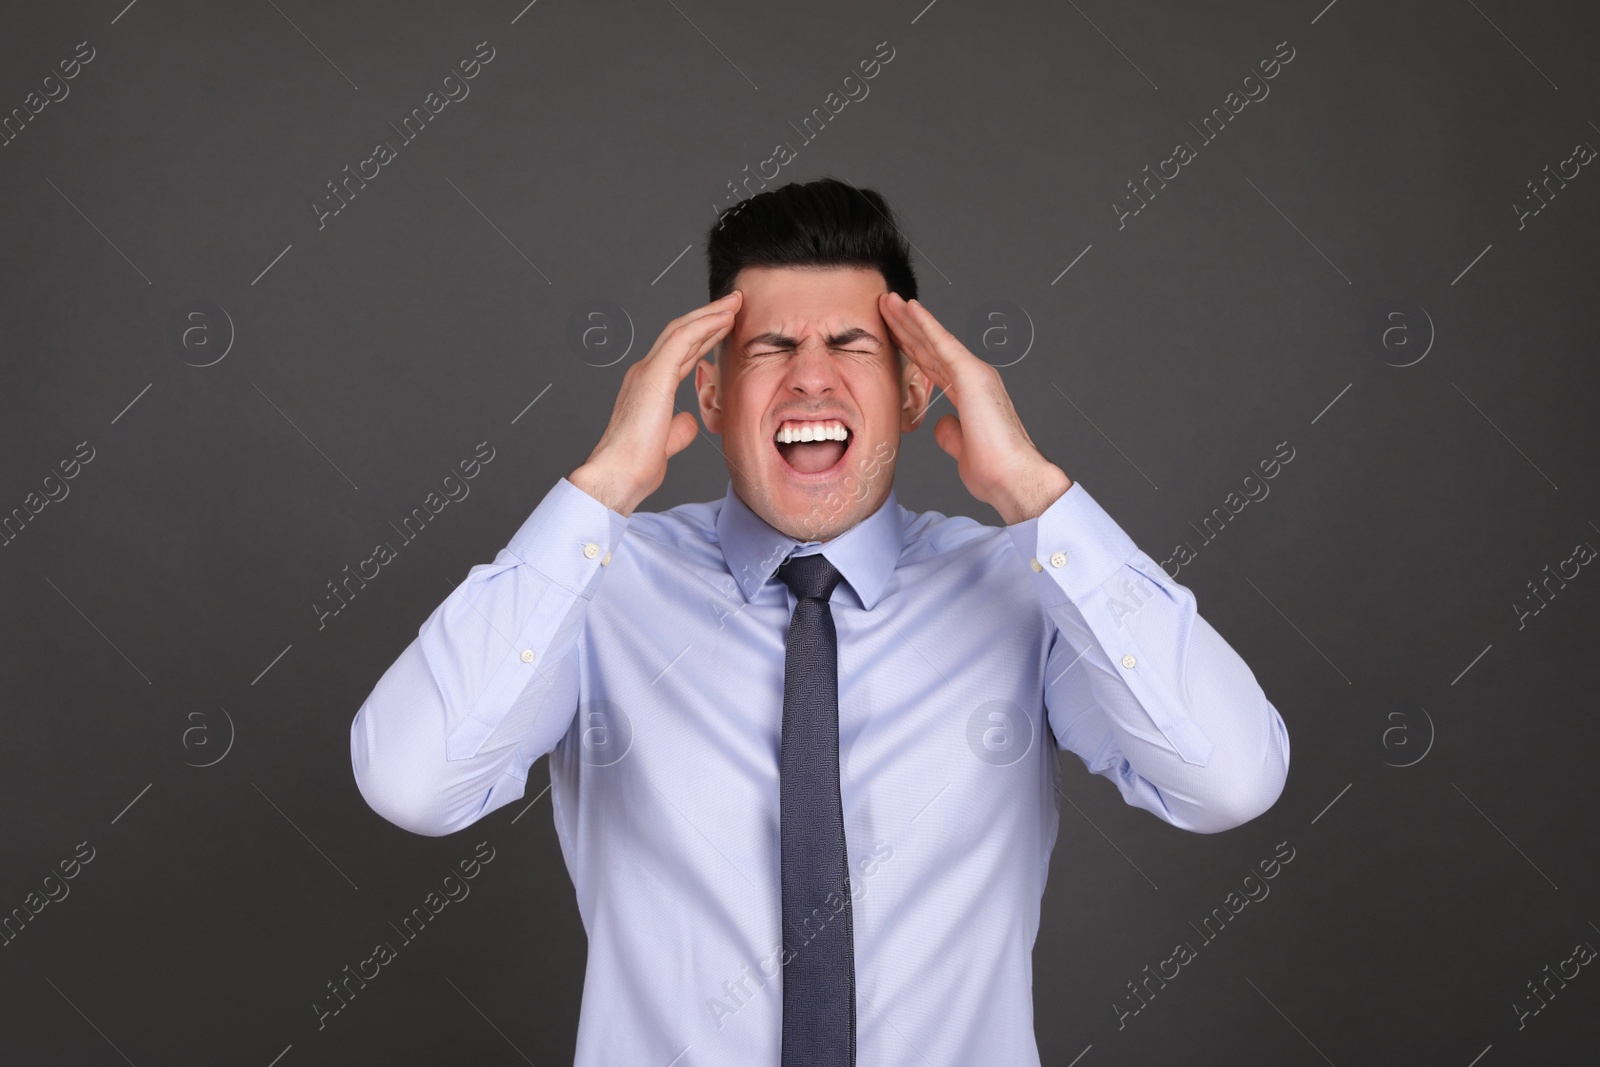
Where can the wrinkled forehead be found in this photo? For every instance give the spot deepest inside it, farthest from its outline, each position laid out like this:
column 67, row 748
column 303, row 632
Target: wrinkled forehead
column 790, row 306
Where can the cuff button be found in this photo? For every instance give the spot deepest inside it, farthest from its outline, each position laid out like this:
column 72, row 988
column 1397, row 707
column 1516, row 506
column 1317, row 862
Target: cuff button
column 1059, row 559
column 591, row 550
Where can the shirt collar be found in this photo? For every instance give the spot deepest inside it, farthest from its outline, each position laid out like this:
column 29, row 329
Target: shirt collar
column 865, row 554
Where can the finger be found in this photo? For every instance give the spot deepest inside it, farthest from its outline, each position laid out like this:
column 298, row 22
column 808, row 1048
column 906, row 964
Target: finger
column 914, row 341
column 900, row 328
column 680, row 348
column 947, row 433
column 733, row 300
column 919, row 311
column 948, row 349
column 699, row 337
column 677, row 351
column 919, row 342
column 718, row 310
column 682, row 431
column 725, row 310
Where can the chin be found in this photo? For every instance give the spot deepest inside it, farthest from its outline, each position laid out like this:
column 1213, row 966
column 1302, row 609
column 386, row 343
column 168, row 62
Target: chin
column 821, row 511
column 821, row 505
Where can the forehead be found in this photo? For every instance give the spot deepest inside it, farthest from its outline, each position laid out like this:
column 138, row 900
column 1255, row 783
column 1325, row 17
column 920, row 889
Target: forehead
column 812, row 297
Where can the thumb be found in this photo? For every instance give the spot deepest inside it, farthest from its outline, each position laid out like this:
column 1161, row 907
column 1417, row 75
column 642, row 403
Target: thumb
column 947, row 432
column 680, row 432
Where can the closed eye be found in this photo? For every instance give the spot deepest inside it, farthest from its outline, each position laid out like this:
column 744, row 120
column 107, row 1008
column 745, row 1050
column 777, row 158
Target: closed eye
column 853, row 351
column 778, row 342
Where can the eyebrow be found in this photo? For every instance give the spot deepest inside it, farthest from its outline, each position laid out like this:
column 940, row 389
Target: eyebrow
column 838, row 340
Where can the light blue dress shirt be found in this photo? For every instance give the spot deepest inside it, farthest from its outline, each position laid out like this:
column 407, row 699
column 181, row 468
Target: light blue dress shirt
column 646, row 655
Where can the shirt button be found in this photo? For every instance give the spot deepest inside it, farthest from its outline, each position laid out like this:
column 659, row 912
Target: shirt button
column 591, row 550
column 527, row 655
column 605, row 560
column 1059, row 559
column 1037, row 566
column 1129, row 661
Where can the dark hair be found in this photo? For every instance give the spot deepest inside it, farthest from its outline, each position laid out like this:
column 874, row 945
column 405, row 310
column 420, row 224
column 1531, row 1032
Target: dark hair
column 824, row 223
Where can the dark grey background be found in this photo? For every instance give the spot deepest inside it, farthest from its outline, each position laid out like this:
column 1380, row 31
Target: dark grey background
column 161, row 615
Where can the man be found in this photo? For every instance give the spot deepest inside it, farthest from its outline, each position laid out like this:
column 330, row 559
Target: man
column 803, row 740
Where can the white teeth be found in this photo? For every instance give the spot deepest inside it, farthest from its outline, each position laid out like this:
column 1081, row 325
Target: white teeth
column 791, row 432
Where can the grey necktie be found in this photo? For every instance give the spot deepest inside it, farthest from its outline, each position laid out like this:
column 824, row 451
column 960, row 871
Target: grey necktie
column 819, row 984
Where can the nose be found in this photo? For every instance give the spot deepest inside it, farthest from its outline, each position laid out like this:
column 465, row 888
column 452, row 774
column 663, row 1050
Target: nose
column 811, row 370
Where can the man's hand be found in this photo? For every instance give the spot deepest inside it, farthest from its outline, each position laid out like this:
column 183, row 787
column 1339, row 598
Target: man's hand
column 630, row 462
column 994, row 455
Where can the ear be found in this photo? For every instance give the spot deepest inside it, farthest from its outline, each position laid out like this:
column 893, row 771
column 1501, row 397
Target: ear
column 914, row 393
column 707, row 386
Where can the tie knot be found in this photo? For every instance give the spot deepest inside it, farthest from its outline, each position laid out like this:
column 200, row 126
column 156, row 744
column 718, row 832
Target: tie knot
column 810, row 576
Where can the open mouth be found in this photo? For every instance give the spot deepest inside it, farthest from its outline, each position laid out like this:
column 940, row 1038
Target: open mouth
column 813, row 450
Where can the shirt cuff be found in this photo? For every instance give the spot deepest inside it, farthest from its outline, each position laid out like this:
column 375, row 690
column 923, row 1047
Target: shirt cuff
column 569, row 537
column 1073, row 548
column 567, row 541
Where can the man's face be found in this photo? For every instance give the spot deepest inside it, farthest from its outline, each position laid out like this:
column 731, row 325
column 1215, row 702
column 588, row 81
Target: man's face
column 809, row 349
